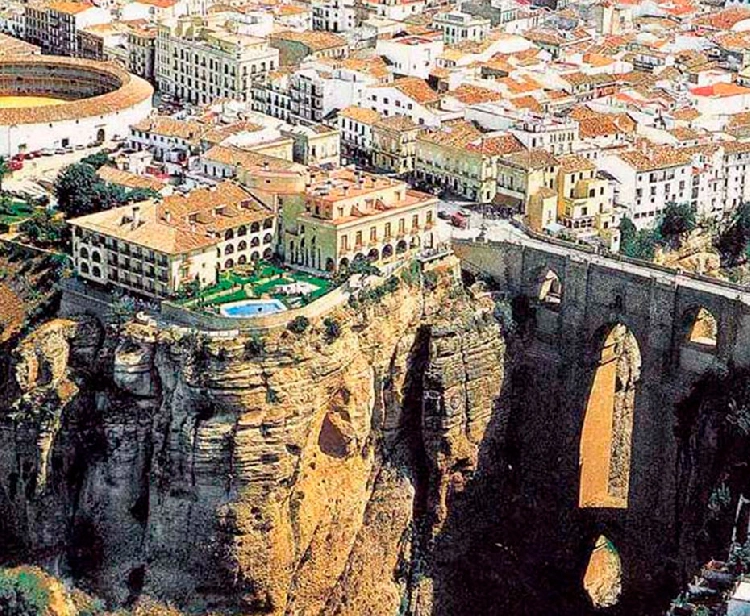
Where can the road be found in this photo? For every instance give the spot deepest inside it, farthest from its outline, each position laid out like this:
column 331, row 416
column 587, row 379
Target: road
column 46, row 169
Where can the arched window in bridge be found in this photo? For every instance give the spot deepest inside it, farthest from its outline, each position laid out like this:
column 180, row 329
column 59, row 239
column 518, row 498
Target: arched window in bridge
column 701, row 328
column 550, row 289
column 603, row 579
column 606, row 437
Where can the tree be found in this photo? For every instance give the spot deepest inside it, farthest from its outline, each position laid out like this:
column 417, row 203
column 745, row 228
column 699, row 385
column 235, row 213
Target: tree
column 80, row 191
column 299, row 324
column 76, row 189
column 4, row 171
column 23, row 593
column 333, row 328
column 99, row 159
column 44, row 228
column 733, row 242
column 678, row 220
column 638, row 244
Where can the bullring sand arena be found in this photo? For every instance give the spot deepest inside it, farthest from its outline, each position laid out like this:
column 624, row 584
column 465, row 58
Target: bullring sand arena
column 27, row 102
column 50, row 101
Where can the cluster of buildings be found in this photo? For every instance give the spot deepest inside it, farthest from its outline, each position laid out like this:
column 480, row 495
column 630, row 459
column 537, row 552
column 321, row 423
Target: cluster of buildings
column 569, row 115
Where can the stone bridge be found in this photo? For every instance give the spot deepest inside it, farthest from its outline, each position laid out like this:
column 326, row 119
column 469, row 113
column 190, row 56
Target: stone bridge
column 610, row 347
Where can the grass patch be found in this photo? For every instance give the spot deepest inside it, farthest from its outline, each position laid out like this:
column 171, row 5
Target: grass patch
column 259, row 283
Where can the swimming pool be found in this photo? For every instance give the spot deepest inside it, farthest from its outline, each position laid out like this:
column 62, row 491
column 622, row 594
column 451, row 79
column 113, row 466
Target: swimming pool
column 252, row 308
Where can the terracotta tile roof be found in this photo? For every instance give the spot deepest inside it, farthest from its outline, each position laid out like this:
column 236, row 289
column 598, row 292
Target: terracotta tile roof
column 162, row 4
column 247, row 159
column 11, row 46
column 171, row 127
column 456, row 134
column 656, row 158
column 360, row 114
column 720, row 90
column 471, row 95
column 574, row 162
column 724, row 19
column 498, row 145
column 603, row 124
column 69, row 6
column 739, row 119
column 537, row 158
column 179, row 223
column 736, row 147
column 686, row 114
column 397, row 123
column 415, row 88
column 127, row 179
column 528, row 102
column 316, row 41
column 684, row 134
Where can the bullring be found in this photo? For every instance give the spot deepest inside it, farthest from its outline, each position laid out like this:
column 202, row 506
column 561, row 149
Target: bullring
column 95, row 102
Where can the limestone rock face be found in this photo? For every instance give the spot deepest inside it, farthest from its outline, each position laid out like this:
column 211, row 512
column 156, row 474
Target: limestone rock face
column 216, row 476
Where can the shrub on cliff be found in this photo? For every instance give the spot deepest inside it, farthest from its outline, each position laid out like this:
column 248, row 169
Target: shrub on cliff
column 299, row 324
column 333, row 328
column 254, row 346
column 23, row 593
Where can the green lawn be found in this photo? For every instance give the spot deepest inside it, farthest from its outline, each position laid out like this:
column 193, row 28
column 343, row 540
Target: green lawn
column 15, row 212
column 262, row 282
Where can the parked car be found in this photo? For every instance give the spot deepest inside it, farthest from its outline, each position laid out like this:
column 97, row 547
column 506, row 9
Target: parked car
column 442, row 214
column 459, row 221
column 16, row 164
column 47, row 152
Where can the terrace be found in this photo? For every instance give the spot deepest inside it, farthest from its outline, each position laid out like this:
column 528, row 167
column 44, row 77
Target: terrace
column 265, row 280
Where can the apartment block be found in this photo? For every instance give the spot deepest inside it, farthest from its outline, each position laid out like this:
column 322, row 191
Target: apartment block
column 156, row 247
column 458, row 27
column 348, row 216
column 199, row 60
column 54, row 26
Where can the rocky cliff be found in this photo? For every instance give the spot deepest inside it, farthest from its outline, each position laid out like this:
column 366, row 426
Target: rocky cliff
column 291, row 474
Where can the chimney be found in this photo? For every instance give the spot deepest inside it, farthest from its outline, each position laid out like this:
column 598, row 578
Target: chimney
column 136, row 216
column 167, row 216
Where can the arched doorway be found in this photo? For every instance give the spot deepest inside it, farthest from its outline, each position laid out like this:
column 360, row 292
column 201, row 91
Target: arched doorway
column 100, row 135
column 603, row 579
column 606, row 438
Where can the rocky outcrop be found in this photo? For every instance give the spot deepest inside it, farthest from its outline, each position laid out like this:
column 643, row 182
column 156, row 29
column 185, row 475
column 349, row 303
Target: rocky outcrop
column 290, row 475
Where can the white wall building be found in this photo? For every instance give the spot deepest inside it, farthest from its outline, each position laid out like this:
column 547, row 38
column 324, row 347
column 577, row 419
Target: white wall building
column 199, row 60
column 334, row 15
column 649, row 180
column 458, row 27
column 414, row 56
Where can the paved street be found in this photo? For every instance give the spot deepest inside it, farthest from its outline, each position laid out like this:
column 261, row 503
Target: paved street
column 44, row 169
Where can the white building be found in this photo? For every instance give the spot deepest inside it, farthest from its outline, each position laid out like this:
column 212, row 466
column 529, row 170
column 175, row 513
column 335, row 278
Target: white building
column 356, row 125
column 410, row 97
column 398, row 10
column 319, row 87
column 556, row 135
column 334, row 15
column 458, row 27
column 414, row 56
column 650, row 179
column 154, row 10
column 54, row 26
column 199, row 60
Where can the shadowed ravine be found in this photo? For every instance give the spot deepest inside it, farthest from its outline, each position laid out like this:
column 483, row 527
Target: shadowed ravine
column 428, row 461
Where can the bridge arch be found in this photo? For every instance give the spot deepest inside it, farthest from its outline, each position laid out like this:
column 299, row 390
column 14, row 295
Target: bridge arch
column 607, row 431
column 700, row 328
column 602, row 579
column 549, row 288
